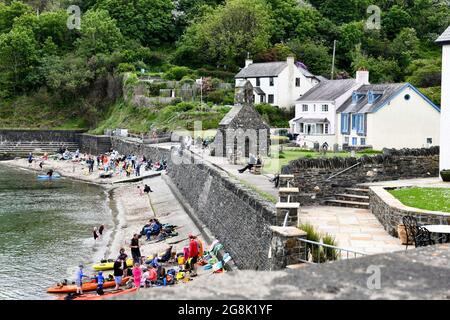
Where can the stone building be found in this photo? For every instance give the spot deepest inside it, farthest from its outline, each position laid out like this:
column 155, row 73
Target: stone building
column 242, row 131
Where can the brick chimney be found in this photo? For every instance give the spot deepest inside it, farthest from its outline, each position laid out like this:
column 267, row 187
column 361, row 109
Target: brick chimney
column 362, row 76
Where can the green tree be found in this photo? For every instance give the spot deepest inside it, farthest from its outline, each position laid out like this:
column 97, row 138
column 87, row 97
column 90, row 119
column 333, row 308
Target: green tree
column 99, row 34
column 18, row 56
column 149, row 21
column 315, row 56
column 9, row 12
column 225, row 35
column 425, row 72
column 394, row 20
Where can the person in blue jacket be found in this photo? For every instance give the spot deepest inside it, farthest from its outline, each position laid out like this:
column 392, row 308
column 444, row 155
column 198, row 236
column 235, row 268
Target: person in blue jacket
column 79, row 279
column 100, row 281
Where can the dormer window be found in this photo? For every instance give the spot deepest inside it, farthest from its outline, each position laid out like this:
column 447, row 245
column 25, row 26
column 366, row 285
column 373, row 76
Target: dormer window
column 356, row 97
column 370, row 97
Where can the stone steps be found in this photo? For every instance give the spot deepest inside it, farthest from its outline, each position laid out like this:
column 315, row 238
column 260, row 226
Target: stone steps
column 352, row 197
column 358, row 191
column 351, row 204
column 19, row 148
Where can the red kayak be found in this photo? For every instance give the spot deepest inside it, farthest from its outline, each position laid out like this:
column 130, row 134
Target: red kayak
column 87, row 286
column 107, row 294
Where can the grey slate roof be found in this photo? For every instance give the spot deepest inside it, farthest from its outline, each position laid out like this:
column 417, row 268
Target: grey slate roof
column 230, row 115
column 386, row 90
column 311, row 120
column 328, row 90
column 445, row 37
column 320, row 78
column 258, row 90
column 267, row 69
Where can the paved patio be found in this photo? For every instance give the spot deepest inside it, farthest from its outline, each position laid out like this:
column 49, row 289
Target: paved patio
column 354, row 229
column 433, row 182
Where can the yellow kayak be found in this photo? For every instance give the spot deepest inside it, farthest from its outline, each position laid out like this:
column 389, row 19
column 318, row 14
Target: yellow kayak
column 102, row 266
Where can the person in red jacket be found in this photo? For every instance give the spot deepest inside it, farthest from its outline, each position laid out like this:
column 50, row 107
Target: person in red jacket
column 193, row 253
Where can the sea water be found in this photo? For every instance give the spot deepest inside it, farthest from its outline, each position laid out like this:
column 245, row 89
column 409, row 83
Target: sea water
column 46, row 231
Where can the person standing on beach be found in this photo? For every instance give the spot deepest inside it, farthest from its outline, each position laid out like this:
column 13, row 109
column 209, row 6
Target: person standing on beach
column 137, row 275
column 118, row 271
column 100, row 230
column 30, row 159
column 135, row 251
column 79, row 279
column 147, row 189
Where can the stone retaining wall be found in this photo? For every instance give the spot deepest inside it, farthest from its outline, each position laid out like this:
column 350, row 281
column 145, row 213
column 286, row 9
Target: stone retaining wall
column 39, row 135
column 390, row 211
column 94, row 144
column 391, row 165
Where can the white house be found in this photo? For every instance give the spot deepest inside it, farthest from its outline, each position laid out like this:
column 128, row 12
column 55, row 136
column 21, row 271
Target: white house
column 315, row 112
column 278, row 83
column 444, row 157
column 393, row 115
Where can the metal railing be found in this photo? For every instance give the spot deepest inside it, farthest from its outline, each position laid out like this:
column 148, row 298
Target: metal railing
column 341, row 172
column 317, row 252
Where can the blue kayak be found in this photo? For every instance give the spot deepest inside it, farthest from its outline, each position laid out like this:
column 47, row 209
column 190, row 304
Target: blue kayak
column 46, row 177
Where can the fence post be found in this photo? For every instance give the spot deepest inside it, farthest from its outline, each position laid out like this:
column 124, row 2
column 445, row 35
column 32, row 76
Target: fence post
column 285, row 247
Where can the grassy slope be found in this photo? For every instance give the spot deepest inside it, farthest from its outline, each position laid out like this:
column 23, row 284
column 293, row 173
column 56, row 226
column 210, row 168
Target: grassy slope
column 434, row 199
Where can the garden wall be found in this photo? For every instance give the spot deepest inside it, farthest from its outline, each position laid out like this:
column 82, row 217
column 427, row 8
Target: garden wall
column 390, row 211
column 391, row 165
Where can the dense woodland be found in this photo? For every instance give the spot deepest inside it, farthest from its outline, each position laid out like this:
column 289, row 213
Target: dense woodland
column 49, row 69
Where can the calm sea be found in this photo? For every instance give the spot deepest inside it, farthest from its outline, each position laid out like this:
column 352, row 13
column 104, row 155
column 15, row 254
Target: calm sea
column 46, row 231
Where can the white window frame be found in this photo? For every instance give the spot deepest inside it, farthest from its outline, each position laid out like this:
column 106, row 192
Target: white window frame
column 324, row 108
column 305, row 108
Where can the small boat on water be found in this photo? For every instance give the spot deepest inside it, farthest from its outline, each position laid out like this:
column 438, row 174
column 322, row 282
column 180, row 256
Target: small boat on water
column 94, row 296
column 46, row 177
column 88, row 286
column 109, row 264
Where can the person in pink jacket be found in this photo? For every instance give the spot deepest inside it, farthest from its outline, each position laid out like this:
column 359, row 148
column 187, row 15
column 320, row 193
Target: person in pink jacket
column 137, row 275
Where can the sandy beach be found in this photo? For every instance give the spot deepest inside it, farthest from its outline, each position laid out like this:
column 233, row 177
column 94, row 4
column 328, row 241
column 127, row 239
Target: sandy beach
column 131, row 210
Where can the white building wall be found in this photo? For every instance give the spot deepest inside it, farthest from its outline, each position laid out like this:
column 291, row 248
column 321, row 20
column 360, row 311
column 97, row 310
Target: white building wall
column 403, row 123
column 444, row 158
column 315, row 112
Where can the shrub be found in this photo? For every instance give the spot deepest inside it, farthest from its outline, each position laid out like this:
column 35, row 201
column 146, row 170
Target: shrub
column 176, row 73
column 277, row 117
column 126, row 67
column 221, row 96
column 155, row 87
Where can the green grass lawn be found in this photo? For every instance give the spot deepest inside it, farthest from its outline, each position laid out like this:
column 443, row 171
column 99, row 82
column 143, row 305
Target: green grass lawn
column 434, row 199
column 274, row 164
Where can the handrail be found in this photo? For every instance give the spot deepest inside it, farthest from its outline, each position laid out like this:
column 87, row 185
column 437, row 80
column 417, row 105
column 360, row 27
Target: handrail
column 322, row 256
column 341, row 172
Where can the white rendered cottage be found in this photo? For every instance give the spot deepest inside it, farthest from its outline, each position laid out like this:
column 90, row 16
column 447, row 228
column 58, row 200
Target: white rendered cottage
column 315, row 112
column 444, row 157
column 392, row 115
column 277, row 83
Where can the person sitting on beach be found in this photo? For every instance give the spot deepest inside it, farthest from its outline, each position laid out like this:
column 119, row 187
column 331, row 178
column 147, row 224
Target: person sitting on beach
column 166, row 256
column 155, row 228
column 153, row 276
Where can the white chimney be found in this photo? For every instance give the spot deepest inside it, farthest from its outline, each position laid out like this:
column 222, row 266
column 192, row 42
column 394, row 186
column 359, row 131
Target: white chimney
column 248, row 62
column 290, row 60
column 362, row 76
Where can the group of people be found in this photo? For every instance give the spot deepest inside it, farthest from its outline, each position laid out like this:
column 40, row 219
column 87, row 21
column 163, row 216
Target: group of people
column 98, row 232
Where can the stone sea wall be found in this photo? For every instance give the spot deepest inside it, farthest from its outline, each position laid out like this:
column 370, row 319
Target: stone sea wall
column 311, row 173
column 94, row 144
column 236, row 215
column 12, row 135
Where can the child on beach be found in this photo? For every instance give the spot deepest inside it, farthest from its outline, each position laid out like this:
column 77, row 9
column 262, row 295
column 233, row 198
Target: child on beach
column 137, row 275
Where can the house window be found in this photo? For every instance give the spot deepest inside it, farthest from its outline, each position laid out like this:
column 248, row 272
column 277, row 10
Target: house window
column 319, row 128
column 354, row 120
column 258, row 82
column 297, row 82
column 344, row 122
column 270, row 98
column 429, row 140
column 354, row 141
column 305, row 108
column 363, row 141
column 271, row 81
column 261, row 98
column 346, row 140
column 360, row 123
column 325, row 128
column 407, row 96
column 302, row 127
column 324, row 108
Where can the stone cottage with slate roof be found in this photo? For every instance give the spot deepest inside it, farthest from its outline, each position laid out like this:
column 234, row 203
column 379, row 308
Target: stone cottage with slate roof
column 277, row 83
column 242, row 131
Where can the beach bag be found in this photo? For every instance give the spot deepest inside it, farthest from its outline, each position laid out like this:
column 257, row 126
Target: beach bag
column 179, row 276
column 180, row 260
column 212, row 261
column 218, row 266
column 207, row 267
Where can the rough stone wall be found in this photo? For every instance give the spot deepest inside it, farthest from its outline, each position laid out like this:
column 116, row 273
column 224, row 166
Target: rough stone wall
column 238, row 217
column 391, row 165
column 39, row 135
column 94, row 144
column 151, row 152
column 390, row 216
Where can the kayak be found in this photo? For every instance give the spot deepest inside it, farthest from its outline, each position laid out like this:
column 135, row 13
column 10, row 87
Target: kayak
column 88, row 286
column 107, row 294
column 46, row 177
